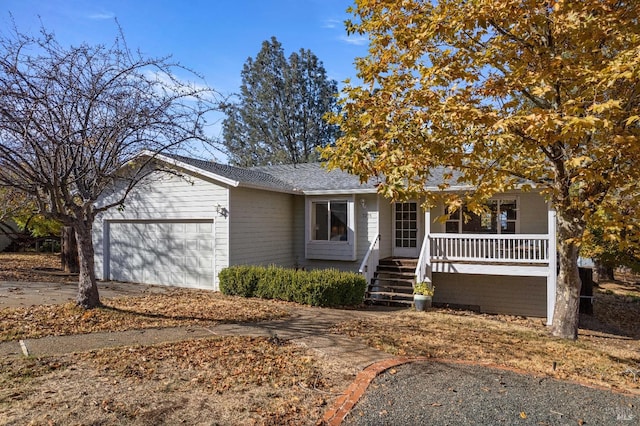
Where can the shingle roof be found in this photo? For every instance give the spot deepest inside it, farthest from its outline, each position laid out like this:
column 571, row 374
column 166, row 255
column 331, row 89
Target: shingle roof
column 305, row 177
column 313, row 177
column 245, row 177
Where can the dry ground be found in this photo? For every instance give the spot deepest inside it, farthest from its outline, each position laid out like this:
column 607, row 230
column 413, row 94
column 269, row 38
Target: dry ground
column 238, row 380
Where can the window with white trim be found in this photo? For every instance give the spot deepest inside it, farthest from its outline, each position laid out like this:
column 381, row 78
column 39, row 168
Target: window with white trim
column 329, row 220
column 501, row 217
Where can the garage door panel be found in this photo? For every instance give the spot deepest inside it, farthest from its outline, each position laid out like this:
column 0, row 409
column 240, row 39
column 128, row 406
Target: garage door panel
column 205, row 262
column 205, row 228
column 166, row 253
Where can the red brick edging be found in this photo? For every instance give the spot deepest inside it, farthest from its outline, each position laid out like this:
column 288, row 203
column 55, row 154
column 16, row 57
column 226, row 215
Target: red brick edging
column 341, row 407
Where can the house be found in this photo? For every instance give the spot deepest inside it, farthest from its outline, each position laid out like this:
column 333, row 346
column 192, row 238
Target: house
column 8, row 232
column 182, row 228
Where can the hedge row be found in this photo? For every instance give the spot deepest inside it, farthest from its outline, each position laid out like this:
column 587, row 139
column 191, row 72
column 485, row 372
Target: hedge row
column 327, row 287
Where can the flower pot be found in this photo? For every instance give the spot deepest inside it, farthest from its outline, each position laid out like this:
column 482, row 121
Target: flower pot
column 421, row 302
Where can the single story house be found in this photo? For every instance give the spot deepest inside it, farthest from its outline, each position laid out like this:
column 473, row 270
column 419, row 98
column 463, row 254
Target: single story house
column 182, row 228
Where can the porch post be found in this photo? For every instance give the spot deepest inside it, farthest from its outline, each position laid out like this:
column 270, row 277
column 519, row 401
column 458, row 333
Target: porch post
column 553, row 269
column 426, row 240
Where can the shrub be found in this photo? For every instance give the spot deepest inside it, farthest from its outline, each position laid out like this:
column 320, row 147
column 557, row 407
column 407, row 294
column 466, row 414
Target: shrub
column 239, row 281
column 327, row 287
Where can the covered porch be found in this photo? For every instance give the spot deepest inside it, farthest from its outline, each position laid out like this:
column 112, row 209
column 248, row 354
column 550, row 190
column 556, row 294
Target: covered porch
column 516, row 255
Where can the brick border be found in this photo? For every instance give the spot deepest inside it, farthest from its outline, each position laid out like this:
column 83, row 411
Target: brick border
column 343, row 405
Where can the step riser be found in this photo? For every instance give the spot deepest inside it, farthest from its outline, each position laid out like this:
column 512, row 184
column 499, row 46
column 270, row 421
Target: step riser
column 392, row 283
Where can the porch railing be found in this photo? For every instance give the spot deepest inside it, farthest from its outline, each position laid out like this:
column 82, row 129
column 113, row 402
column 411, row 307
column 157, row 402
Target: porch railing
column 512, row 248
column 370, row 260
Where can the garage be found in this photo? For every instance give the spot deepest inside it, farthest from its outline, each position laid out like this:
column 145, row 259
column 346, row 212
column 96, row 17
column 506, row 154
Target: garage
column 166, row 252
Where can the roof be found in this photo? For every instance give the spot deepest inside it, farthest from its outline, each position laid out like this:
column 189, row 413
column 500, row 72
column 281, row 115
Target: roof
column 304, row 178
column 235, row 176
column 314, row 178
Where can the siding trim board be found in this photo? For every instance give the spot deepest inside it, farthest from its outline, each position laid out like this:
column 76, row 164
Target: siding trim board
column 491, row 269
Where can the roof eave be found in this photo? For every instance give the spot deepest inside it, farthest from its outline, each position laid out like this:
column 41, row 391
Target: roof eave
column 340, row 191
column 269, row 188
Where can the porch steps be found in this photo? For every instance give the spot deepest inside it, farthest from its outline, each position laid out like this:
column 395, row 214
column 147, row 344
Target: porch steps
column 392, row 283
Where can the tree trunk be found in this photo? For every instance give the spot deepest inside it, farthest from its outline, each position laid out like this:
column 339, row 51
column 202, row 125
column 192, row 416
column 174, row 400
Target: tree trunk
column 88, row 296
column 602, row 272
column 69, row 252
column 566, row 314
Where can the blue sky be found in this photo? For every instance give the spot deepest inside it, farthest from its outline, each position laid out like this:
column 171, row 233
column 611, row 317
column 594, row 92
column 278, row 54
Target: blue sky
column 213, row 37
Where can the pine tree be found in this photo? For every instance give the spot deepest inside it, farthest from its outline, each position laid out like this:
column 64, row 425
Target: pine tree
column 278, row 118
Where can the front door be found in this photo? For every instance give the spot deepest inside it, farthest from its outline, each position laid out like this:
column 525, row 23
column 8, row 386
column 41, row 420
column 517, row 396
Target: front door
column 405, row 229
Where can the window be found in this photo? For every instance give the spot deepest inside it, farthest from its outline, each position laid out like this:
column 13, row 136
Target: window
column 501, row 217
column 329, row 221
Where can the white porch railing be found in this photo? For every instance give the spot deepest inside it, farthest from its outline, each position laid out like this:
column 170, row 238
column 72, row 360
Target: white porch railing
column 481, row 248
column 370, row 260
column 512, row 248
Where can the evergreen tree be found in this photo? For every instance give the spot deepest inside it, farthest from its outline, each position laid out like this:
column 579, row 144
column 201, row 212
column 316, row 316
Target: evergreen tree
column 279, row 116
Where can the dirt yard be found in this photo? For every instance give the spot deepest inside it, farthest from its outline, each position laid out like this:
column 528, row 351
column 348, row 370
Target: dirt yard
column 258, row 381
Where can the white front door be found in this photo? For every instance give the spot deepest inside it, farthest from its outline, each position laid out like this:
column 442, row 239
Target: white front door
column 405, row 229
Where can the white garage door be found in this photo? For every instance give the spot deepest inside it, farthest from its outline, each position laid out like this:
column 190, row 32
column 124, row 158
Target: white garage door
column 178, row 253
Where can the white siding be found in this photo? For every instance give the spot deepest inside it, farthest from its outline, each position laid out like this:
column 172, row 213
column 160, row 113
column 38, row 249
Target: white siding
column 299, row 235
column 386, row 227
column 165, row 196
column 532, row 213
column 367, row 228
column 261, row 226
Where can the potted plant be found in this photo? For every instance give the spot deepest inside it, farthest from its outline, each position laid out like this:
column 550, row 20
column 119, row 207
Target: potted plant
column 422, row 295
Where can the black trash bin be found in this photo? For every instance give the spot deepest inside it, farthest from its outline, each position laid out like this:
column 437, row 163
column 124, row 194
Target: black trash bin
column 586, row 291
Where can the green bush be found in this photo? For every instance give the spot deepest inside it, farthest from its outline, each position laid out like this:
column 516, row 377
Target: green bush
column 327, row 287
column 239, row 281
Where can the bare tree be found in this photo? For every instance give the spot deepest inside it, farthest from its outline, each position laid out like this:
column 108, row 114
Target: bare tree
column 73, row 121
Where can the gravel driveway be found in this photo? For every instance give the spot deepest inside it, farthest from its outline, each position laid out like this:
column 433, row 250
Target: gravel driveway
column 431, row 393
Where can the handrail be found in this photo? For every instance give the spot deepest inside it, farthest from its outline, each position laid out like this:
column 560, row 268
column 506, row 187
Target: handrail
column 370, row 259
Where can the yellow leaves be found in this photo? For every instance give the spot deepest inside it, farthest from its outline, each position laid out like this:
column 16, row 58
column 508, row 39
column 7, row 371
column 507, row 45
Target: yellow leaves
column 631, row 120
column 581, row 161
column 598, row 108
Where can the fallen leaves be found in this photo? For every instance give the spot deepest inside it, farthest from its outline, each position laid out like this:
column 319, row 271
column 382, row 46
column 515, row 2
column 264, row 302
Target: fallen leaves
column 232, row 380
column 175, row 307
column 598, row 357
column 33, row 267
